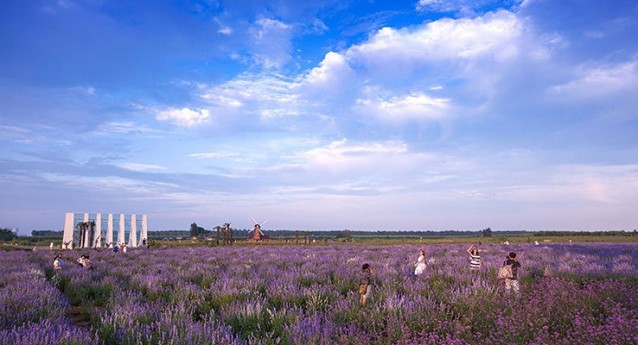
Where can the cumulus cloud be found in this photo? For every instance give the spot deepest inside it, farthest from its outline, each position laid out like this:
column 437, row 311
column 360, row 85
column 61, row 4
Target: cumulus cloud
column 388, row 74
column 184, row 117
column 494, row 35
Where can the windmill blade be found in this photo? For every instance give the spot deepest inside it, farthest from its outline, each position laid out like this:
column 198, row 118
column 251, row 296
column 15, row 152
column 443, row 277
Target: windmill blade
column 263, row 222
column 254, row 221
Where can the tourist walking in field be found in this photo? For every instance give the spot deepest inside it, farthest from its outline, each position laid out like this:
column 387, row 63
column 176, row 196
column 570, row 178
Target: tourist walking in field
column 57, row 262
column 365, row 283
column 475, row 257
column 420, row 263
column 512, row 283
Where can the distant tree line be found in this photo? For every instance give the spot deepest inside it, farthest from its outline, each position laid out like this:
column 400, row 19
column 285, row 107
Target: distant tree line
column 47, row 234
column 587, row 233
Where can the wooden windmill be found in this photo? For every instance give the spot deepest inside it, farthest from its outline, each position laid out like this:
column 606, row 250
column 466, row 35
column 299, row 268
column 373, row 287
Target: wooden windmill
column 258, row 235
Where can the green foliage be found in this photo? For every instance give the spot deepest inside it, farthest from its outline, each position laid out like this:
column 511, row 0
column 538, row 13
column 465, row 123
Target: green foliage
column 487, row 232
column 7, row 235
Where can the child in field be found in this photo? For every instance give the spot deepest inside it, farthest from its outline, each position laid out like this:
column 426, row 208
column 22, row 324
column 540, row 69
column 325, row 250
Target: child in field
column 365, row 283
column 512, row 283
column 420, row 263
column 57, row 262
column 475, row 257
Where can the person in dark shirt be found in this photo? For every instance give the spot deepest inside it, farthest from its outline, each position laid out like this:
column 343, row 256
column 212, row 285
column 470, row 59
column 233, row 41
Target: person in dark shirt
column 366, row 280
column 512, row 283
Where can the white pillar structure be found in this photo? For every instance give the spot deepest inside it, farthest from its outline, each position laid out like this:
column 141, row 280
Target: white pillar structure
column 132, row 237
column 67, row 238
column 98, row 231
column 120, row 233
column 86, row 238
column 144, row 234
column 109, row 230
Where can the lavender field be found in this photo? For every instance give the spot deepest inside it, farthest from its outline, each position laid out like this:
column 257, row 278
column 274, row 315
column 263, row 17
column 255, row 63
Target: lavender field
column 570, row 294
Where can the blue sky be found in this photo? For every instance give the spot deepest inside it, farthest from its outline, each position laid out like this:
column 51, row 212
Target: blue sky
column 363, row 115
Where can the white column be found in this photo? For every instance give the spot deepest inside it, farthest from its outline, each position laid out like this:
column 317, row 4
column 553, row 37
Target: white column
column 144, row 234
column 87, row 240
column 120, row 234
column 98, row 230
column 132, row 237
column 109, row 230
column 68, row 230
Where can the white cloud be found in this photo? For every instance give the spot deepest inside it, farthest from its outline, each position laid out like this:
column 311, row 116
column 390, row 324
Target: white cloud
column 333, row 68
column 494, row 35
column 600, row 81
column 415, row 105
column 271, row 43
column 213, row 155
column 465, row 7
column 184, row 117
column 266, row 95
column 141, row 167
column 123, row 127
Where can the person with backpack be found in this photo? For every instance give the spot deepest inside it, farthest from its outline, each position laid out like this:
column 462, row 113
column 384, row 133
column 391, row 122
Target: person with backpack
column 511, row 280
column 365, row 283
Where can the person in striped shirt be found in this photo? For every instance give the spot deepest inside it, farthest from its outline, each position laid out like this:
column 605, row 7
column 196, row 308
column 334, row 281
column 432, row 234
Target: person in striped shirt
column 475, row 257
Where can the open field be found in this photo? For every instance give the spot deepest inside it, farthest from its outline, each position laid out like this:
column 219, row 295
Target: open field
column 570, row 294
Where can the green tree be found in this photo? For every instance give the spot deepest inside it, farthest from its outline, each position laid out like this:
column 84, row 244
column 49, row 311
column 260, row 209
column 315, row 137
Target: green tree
column 487, row 232
column 345, row 235
column 7, row 235
column 196, row 231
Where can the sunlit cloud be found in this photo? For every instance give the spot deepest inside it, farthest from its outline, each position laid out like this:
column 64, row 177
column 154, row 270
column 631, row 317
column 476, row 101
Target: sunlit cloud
column 184, row 117
column 417, row 105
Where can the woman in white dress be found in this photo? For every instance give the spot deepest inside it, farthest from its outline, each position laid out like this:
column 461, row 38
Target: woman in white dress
column 420, row 263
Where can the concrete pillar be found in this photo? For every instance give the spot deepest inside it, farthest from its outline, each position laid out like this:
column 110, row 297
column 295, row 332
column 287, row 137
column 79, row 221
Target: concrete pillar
column 132, row 238
column 120, row 233
column 98, row 231
column 144, row 234
column 109, row 230
column 87, row 240
column 67, row 237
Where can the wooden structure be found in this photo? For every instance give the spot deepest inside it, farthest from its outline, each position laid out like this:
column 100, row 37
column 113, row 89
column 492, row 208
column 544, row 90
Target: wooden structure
column 225, row 233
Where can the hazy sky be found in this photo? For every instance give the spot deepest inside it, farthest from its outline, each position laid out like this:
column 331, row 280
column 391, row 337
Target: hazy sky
column 362, row 115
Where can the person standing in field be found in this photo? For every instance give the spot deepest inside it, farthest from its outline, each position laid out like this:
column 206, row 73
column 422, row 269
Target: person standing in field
column 57, row 262
column 420, row 263
column 475, row 257
column 512, row 283
column 365, row 283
